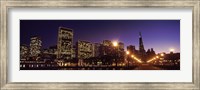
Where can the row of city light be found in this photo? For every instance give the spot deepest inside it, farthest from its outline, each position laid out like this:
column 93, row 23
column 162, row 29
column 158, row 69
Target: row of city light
column 162, row 55
column 135, row 58
column 115, row 44
column 156, row 57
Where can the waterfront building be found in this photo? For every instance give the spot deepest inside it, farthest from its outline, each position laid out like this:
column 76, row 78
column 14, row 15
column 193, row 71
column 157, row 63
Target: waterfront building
column 24, row 52
column 65, row 43
column 35, row 46
column 84, row 49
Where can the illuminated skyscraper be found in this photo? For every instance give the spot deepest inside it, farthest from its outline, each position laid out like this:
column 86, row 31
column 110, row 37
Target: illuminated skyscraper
column 84, row 49
column 24, row 52
column 142, row 51
column 35, row 46
column 65, row 43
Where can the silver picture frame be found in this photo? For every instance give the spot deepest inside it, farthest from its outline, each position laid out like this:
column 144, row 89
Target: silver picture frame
column 4, row 45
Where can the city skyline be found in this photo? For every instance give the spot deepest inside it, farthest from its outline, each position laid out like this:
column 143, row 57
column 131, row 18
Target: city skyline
column 158, row 34
column 99, row 45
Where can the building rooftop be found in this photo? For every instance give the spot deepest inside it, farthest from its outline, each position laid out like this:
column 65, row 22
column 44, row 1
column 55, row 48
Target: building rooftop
column 64, row 28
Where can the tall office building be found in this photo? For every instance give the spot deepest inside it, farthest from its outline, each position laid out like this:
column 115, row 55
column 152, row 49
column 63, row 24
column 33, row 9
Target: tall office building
column 107, row 43
column 24, row 52
column 96, row 49
column 84, row 49
column 35, row 46
column 131, row 48
column 121, row 46
column 74, row 52
column 142, row 51
column 141, row 46
column 65, row 43
column 120, row 51
column 106, row 48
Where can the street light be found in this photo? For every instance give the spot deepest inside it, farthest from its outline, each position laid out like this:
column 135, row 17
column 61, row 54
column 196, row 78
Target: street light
column 162, row 54
column 127, row 52
column 171, row 50
column 132, row 56
column 115, row 44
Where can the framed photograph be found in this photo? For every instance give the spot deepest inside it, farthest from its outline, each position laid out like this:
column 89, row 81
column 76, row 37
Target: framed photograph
column 84, row 48
column 103, row 44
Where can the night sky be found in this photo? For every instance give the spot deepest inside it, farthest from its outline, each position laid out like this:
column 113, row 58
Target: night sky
column 158, row 34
